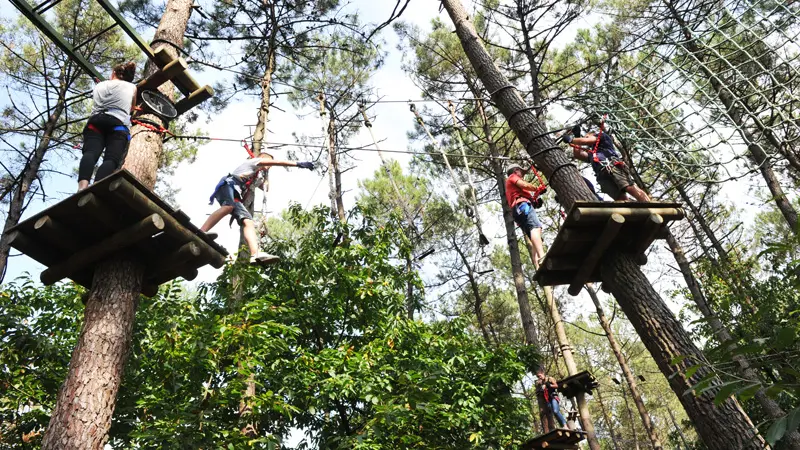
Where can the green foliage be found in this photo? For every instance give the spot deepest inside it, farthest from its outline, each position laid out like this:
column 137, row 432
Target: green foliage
column 323, row 334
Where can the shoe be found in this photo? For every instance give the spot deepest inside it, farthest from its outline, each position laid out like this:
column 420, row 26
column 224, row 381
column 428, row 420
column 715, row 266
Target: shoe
column 264, row 258
column 211, row 235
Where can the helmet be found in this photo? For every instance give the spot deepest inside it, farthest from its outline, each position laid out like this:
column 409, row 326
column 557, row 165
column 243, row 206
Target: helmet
column 511, row 168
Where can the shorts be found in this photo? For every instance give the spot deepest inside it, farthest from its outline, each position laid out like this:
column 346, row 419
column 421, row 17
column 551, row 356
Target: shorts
column 226, row 195
column 525, row 216
column 614, row 181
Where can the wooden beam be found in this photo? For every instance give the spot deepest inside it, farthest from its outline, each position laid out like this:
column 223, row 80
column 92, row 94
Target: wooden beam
column 186, row 272
column 56, row 235
column 126, row 193
column 595, row 214
column 35, row 249
column 561, row 263
column 103, row 249
column 559, row 446
column 578, row 235
column 650, row 230
column 188, row 251
column 195, row 98
column 605, row 239
column 100, row 212
column 163, row 75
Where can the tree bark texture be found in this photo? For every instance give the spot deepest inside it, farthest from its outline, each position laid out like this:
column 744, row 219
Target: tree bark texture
column 770, row 407
column 652, row 434
column 722, row 427
column 528, row 324
column 336, row 174
column 572, row 368
column 737, row 111
column 29, row 173
column 630, row 418
column 85, row 404
column 607, row 418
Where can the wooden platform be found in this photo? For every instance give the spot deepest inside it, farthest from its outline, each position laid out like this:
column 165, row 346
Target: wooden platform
column 580, row 382
column 176, row 70
column 556, row 439
column 116, row 214
column 592, row 228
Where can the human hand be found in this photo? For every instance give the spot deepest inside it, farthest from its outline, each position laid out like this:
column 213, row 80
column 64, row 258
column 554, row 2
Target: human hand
column 567, row 138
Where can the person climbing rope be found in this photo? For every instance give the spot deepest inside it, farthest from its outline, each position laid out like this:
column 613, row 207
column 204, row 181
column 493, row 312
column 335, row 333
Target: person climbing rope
column 597, row 148
column 229, row 193
column 523, row 198
column 108, row 126
column 547, row 388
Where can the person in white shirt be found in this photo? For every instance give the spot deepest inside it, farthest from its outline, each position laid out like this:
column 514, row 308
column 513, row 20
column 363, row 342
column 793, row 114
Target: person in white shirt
column 229, row 193
column 108, row 126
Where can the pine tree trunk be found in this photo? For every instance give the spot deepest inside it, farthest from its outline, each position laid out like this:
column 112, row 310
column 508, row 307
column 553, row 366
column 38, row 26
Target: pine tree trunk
column 736, row 114
column 82, row 415
column 528, row 325
column 722, row 427
column 334, row 168
column 678, row 429
column 29, row 173
column 607, row 418
column 652, row 434
column 630, row 418
column 572, row 368
column 477, row 304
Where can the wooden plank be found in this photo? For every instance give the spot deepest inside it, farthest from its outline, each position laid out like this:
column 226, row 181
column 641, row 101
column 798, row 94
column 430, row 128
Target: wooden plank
column 185, row 83
column 56, row 235
column 562, row 263
column 594, row 214
column 195, row 98
column 164, row 74
column 605, row 239
column 99, row 211
column 33, row 248
column 650, row 229
column 189, row 251
column 185, row 272
column 125, row 192
column 103, row 249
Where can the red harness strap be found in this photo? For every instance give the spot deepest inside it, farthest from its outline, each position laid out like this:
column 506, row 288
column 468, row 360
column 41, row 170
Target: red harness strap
column 541, row 187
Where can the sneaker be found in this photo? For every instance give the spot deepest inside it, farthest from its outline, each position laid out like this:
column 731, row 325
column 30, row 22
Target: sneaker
column 211, row 235
column 264, row 258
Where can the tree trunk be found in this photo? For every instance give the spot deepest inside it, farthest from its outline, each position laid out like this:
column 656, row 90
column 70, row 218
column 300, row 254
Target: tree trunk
column 652, row 434
column 770, row 407
column 679, row 429
column 736, row 115
column 478, row 301
column 409, row 290
column 630, row 418
column 607, row 418
column 334, row 167
column 572, row 368
column 31, row 170
column 82, row 415
column 722, row 427
column 528, row 325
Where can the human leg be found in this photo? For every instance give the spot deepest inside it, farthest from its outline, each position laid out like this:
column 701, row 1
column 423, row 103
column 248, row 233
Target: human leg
column 554, row 405
column 535, row 226
column 638, row 193
column 250, row 237
column 116, row 149
column 215, row 217
column 93, row 144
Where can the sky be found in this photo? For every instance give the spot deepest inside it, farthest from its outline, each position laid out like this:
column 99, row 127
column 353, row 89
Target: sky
column 391, row 123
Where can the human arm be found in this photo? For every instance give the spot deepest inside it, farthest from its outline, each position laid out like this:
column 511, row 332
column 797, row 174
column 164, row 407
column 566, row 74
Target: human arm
column 133, row 101
column 264, row 162
column 552, row 382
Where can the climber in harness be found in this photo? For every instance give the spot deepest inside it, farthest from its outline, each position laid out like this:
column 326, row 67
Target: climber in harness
column 613, row 176
column 547, row 389
column 523, row 198
column 108, row 126
column 230, row 191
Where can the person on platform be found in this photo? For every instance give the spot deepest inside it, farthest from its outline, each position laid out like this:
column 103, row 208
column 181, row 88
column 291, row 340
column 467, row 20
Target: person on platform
column 229, row 193
column 108, row 127
column 523, row 199
column 547, row 389
column 613, row 176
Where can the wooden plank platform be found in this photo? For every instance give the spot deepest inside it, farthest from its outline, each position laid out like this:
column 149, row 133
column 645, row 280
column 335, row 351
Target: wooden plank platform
column 592, row 228
column 176, row 70
column 556, row 439
column 117, row 214
column 580, row 382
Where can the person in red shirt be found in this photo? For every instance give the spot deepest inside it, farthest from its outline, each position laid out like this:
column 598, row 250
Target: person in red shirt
column 522, row 200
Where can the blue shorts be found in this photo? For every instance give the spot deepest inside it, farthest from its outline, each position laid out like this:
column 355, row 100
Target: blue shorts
column 525, row 216
column 226, row 195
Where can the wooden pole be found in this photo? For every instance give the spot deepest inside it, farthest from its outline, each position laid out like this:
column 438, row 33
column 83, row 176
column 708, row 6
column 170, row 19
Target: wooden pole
column 189, row 251
column 166, row 73
column 99, row 212
column 605, row 239
column 127, row 193
column 581, row 214
column 103, row 249
column 56, row 235
column 650, row 230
